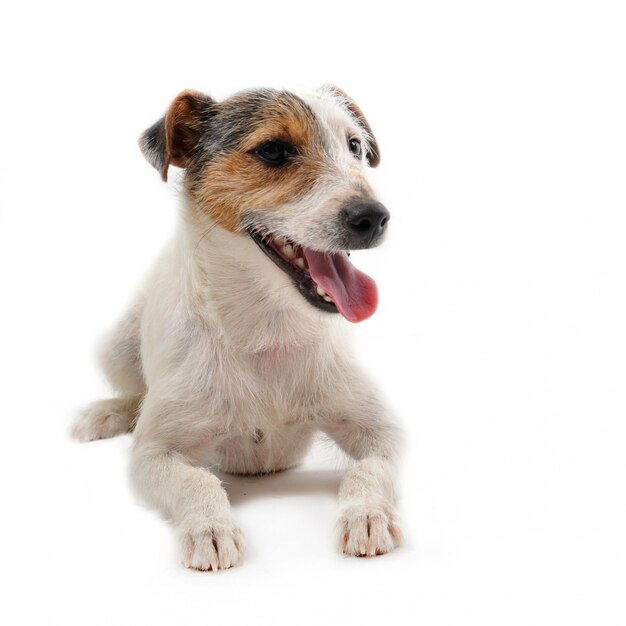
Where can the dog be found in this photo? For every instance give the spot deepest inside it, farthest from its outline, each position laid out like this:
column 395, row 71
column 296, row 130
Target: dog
column 234, row 354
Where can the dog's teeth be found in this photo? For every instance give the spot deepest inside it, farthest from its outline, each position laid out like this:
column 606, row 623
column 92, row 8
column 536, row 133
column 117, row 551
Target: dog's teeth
column 327, row 299
column 320, row 291
column 300, row 263
column 279, row 241
column 288, row 251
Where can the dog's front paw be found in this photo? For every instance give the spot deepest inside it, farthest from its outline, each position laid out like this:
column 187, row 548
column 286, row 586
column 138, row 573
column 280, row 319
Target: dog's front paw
column 212, row 544
column 367, row 529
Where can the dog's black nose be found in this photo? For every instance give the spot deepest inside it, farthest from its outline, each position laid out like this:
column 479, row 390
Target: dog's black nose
column 366, row 221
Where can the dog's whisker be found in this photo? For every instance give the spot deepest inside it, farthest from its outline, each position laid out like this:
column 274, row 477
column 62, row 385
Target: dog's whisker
column 204, row 234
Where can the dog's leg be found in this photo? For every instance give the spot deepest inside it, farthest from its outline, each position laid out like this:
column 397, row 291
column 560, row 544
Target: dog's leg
column 120, row 354
column 120, row 358
column 368, row 523
column 190, row 496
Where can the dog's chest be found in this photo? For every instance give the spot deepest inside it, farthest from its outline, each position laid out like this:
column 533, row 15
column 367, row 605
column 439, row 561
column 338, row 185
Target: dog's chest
column 278, row 387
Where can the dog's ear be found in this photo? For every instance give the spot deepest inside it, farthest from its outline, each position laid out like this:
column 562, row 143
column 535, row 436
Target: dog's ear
column 172, row 139
column 373, row 153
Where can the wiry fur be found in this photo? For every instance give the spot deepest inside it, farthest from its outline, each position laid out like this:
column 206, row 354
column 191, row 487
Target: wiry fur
column 221, row 362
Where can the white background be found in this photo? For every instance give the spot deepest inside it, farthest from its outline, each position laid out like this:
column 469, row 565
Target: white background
column 500, row 338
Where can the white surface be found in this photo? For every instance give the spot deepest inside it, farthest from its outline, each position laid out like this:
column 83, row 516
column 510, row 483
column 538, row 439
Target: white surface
column 500, row 337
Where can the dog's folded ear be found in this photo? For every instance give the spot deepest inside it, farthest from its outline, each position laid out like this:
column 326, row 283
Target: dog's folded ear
column 373, row 152
column 173, row 138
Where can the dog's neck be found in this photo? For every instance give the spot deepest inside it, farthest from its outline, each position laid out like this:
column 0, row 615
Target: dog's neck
column 232, row 286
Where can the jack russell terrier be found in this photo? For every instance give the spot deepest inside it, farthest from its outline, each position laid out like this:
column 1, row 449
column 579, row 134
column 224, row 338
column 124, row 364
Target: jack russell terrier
column 233, row 356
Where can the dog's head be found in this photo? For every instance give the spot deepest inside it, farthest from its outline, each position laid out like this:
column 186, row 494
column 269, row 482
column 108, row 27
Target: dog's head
column 288, row 171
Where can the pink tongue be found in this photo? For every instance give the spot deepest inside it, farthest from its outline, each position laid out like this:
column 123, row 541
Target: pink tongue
column 353, row 292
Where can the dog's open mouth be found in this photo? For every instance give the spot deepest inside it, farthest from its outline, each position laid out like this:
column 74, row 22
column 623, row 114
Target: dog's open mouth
column 328, row 281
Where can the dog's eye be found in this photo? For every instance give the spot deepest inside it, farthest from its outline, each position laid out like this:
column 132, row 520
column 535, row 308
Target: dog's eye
column 355, row 147
column 274, row 152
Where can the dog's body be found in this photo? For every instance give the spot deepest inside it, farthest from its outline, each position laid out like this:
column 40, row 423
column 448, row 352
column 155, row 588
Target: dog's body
column 222, row 362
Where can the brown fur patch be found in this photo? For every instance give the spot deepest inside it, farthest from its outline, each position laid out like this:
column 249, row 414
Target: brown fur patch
column 238, row 181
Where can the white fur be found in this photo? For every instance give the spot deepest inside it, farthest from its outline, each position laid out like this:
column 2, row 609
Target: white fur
column 221, row 362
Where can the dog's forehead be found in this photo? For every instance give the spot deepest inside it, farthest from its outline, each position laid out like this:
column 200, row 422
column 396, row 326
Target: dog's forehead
column 301, row 112
column 329, row 111
column 261, row 114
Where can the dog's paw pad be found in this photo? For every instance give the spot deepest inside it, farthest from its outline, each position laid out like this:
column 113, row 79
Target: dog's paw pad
column 213, row 546
column 103, row 419
column 368, row 530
